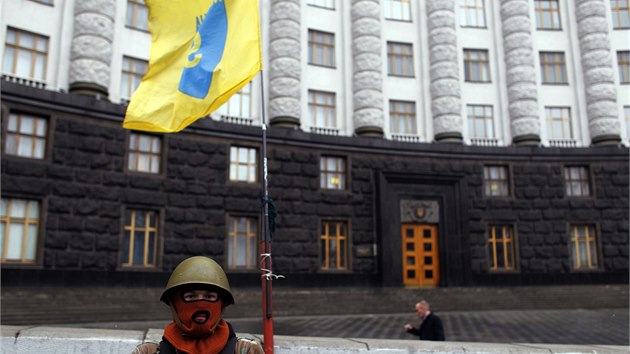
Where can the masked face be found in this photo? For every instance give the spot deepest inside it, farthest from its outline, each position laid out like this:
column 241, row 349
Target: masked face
column 197, row 312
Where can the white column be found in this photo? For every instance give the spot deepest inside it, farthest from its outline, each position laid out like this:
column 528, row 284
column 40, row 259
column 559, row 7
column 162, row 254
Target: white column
column 284, row 63
column 521, row 72
column 91, row 52
column 444, row 72
column 367, row 75
column 599, row 82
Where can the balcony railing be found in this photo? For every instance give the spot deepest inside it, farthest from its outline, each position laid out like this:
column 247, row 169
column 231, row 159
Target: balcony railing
column 24, row 81
column 237, row 120
column 325, row 131
column 563, row 143
column 407, row 138
column 484, row 141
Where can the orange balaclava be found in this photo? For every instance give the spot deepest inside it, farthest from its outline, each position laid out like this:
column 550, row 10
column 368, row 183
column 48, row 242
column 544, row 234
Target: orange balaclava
column 198, row 327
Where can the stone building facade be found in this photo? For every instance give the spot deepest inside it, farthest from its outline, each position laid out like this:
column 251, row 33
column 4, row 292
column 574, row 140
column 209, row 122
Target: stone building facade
column 379, row 173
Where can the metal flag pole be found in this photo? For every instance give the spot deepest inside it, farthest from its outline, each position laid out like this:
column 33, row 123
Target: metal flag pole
column 265, row 243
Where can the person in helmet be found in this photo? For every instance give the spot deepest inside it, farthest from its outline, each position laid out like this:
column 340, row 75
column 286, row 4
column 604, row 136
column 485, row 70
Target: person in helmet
column 197, row 293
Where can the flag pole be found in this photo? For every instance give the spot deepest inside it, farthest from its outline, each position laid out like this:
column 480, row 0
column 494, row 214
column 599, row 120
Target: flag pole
column 265, row 244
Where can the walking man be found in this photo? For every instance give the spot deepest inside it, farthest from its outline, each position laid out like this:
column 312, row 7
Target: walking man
column 431, row 326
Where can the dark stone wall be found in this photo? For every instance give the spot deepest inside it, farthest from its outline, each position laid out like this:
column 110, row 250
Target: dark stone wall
column 84, row 186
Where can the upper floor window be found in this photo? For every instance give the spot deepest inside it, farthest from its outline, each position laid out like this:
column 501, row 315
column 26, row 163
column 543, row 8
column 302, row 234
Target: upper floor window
column 553, row 69
column 144, row 153
column 402, row 117
column 397, row 10
column 547, row 14
column 577, row 181
column 620, row 13
column 472, row 13
column 19, row 229
column 623, row 61
column 334, row 245
column 476, row 65
column 239, row 105
column 321, row 109
column 558, row 122
column 496, row 183
column 25, row 54
column 332, row 172
column 137, row 15
column 132, row 72
column 26, row 136
column 242, row 242
column 140, row 239
column 321, row 48
column 243, row 164
column 480, row 121
column 328, row 4
column 583, row 247
column 400, row 59
column 501, row 252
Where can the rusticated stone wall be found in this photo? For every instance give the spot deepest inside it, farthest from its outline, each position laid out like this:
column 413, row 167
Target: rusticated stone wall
column 285, row 68
column 520, row 72
column 444, row 71
column 599, row 81
column 367, row 76
column 91, row 52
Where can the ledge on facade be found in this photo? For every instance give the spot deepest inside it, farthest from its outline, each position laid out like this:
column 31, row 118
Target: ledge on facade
column 485, row 141
column 236, row 120
column 24, row 81
column 408, row 138
column 324, row 130
column 563, row 143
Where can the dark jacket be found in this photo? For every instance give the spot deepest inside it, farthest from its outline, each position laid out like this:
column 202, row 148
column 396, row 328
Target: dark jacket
column 430, row 329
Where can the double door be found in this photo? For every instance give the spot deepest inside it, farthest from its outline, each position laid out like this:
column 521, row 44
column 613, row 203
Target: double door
column 421, row 267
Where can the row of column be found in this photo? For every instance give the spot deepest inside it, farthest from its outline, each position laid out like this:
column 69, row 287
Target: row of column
column 445, row 90
column 93, row 35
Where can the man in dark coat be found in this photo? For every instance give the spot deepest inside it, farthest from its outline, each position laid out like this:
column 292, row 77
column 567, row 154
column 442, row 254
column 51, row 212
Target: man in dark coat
column 431, row 326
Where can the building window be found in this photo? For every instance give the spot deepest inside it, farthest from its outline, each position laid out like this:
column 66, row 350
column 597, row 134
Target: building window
column 328, row 4
column 140, row 244
column 243, row 164
column 19, row 228
column 583, row 247
column 144, row 153
column 577, row 181
column 397, row 10
column 620, row 13
column 553, row 69
column 472, row 13
column 496, row 183
column 239, row 105
column 400, row 59
column 242, row 242
column 137, row 15
column 132, row 72
column 476, row 65
column 26, row 136
column 623, row 61
column 402, row 117
column 480, row 121
column 321, row 109
column 501, row 247
column 558, row 122
column 25, row 54
column 334, row 245
column 547, row 14
column 321, row 48
column 332, row 172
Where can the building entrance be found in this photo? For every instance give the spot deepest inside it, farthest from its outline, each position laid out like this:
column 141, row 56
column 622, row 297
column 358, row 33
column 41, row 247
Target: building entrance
column 421, row 266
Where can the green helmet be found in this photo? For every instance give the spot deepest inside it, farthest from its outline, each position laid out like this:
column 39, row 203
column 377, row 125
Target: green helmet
column 198, row 270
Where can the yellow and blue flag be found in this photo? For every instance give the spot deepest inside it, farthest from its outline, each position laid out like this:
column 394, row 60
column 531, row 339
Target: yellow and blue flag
column 202, row 52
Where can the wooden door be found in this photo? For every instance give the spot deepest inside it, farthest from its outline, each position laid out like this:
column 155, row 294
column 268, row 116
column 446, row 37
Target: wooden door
column 421, row 267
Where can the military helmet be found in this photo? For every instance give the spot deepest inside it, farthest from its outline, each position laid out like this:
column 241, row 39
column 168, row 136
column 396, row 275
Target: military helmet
column 198, row 270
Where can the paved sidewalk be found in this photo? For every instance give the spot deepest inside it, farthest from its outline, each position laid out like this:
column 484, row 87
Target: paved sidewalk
column 602, row 326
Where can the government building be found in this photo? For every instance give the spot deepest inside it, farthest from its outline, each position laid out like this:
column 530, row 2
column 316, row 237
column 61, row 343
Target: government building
column 411, row 143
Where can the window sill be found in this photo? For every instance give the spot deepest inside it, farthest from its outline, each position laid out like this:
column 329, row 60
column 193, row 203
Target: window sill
column 477, row 82
column 550, row 29
column 556, row 83
column 323, row 66
column 137, row 29
column 402, row 76
column 122, row 268
column 322, row 7
column 398, row 20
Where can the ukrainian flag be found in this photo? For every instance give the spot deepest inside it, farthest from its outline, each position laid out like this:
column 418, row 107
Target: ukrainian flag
column 202, row 52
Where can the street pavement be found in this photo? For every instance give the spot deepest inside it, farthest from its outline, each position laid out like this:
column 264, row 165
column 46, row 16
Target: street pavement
column 576, row 326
